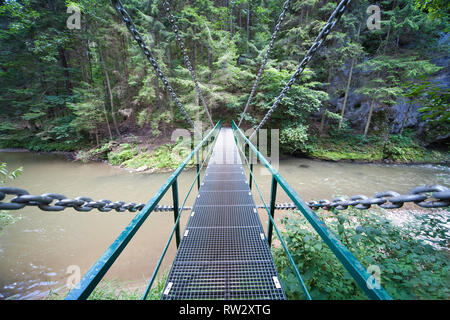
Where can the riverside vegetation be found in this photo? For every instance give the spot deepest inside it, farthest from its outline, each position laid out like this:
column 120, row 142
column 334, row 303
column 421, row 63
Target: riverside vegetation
column 5, row 175
column 413, row 258
column 369, row 95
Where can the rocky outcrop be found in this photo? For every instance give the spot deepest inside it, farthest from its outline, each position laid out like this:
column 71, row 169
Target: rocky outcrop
column 357, row 108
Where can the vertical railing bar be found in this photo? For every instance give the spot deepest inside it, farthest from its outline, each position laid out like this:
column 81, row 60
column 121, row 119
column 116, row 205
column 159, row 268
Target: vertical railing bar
column 197, row 164
column 273, row 196
column 251, row 169
column 176, row 212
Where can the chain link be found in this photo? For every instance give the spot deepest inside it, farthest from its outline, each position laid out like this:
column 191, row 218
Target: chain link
column 430, row 196
column 84, row 204
column 320, row 39
column 186, row 58
column 266, row 57
column 148, row 54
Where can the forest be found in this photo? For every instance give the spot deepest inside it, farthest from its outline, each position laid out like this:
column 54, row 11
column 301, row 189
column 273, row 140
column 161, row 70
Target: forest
column 369, row 94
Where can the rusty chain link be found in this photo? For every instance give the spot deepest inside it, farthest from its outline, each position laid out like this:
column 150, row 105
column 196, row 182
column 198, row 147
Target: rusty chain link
column 430, row 196
column 148, row 54
column 320, row 39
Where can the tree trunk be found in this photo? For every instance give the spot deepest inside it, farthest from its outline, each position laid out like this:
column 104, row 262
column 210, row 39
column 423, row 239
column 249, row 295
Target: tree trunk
column 107, row 122
column 322, row 120
column 369, row 117
column 324, row 109
column 346, row 93
column 125, row 68
column 96, row 136
column 248, row 21
column 240, row 16
column 111, row 98
column 88, row 52
column 231, row 21
column 348, row 83
column 195, row 54
column 209, row 64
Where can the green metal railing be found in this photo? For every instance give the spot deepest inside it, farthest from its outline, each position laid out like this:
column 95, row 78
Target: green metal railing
column 348, row 260
column 99, row 269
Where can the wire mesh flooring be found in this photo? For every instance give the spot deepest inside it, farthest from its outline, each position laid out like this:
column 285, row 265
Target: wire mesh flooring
column 223, row 253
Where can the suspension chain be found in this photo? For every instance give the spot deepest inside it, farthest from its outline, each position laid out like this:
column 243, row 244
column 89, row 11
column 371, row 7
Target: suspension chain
column 148, row 54
column 320, row 39
column 186, row 58
column 266, row 57
column 44, row 202
column 440, row 198
column 433, row 196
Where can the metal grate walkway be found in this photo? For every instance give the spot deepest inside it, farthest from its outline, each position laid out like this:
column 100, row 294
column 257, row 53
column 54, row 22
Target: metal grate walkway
column 223, row 253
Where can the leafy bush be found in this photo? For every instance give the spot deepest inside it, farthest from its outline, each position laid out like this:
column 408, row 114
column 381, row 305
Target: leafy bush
column 292, row 138
column 410, row 268
column 403, row 147
column 5, row 175
column 166, row 156
column 126, row 152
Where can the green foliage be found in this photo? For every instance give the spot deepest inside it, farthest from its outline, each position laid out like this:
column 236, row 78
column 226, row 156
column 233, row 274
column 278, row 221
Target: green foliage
column 403, row 148
column 391, row 73
column 124, row 153
column 435, row 101
column 293, row 137
column 348, row 145
column 117, row 290
column 435, row 8
column 5, row 175
column 57, row 96
column 113, row 290
column 410, row 268
column 167, row 156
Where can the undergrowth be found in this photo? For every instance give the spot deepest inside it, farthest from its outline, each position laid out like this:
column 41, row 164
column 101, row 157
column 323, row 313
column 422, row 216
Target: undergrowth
column 347, row 145
column 410, row 267
column 115, row 290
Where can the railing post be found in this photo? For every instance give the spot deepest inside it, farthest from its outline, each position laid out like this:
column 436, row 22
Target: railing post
column 273, row 197
column 251, row 168
column 176, row 210
column 198, row 170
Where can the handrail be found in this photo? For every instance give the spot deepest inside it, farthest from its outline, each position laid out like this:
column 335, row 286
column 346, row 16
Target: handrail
column 95, row 274
column 272, row 222
column 348, row 260
column 176, row 225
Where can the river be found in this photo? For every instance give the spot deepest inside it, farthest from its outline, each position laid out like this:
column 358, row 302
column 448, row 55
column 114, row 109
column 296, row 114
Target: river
column 37, row 251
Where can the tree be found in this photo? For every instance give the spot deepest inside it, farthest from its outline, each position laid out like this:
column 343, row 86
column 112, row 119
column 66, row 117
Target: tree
column 388, row 74
column 434, row 100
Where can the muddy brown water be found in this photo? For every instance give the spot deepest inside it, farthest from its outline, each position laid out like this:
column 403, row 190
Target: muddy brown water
column 36, row 252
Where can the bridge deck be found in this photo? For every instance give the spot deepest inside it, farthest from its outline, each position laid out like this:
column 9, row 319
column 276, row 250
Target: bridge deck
column 223, row 253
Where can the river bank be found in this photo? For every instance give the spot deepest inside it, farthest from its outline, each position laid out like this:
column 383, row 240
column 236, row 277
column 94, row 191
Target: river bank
column 136, row 156
column 37, row 250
